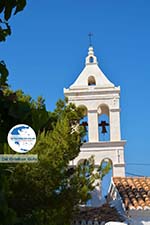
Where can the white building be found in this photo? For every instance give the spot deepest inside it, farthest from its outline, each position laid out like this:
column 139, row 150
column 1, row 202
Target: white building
column 93, row 91
column 99, row 96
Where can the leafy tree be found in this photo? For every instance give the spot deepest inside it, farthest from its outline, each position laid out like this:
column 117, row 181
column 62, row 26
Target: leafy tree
column 7, row 7
column 9, row 102
column 16, row 108
column 7, row 215
column 50, row 191
column 104, row 168
column 3, row 76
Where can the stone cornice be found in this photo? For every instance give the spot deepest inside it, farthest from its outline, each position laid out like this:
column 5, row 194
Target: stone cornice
column 91, row 91
column 115, row 110
column 119, row 164
column 92, row 111
column 106, row 144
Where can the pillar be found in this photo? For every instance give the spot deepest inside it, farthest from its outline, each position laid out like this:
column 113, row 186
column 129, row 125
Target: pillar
column 93, row 125
column 115, row 125
column 96, row 193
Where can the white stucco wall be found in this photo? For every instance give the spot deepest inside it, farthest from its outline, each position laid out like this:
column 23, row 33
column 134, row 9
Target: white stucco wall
column 93, row 90
column 93, row 99
column 104, row 150
column 139, row 217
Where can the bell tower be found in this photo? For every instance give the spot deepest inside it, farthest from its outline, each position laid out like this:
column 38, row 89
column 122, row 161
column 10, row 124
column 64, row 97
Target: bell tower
column 99, row 96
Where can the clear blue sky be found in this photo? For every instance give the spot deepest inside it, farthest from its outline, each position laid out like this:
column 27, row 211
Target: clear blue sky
column 48, row 46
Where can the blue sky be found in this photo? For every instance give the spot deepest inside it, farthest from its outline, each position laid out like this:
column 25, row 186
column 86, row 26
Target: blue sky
column 48, row 46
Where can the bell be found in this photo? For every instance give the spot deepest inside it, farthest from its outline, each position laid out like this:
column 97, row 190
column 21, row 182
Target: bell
column 103, row 124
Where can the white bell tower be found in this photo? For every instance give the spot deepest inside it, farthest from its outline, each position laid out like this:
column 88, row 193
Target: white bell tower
column 99, row 96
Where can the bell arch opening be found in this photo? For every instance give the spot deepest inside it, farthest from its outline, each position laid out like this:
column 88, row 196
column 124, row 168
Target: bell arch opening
column 91, row 59
column 106, row 173
column 103, row 123
column 84, row 123
column 81, row 161
column 91, row 81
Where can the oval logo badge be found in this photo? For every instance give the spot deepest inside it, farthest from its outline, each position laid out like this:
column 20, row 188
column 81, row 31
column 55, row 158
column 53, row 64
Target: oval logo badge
column 21, row 138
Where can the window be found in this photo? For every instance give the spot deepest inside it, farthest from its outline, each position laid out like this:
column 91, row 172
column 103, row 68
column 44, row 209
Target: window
column 91, row 59
column 84, row 123
column 103, row 123
column 91, row 81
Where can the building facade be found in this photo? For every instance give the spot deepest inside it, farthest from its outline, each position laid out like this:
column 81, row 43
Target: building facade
column 101, row 101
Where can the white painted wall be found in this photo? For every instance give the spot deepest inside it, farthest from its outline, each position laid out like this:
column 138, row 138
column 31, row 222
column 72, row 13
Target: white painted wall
column 140, row 217
column 99, row 98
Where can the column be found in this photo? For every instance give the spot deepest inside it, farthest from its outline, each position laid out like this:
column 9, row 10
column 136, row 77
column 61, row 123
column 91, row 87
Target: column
column 96, row 193
column 93, row 126
column 119, row 170
column 115, row 125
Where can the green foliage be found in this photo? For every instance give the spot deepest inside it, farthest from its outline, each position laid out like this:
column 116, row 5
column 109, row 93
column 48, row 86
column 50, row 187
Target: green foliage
column 3, row 75
column 7, row 7
column 16, row 107
column 7, row 215
column 84, row 179
column 9, row 103
column 5, row 30
column 104, row 168
column 48, row 192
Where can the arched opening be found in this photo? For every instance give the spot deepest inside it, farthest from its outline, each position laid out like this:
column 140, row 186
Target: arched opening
column 91, row 59
column 81, row 161
column 106, row 172
column 91, row 81
column 84, row 123
column 103, row 123
column 85, row 170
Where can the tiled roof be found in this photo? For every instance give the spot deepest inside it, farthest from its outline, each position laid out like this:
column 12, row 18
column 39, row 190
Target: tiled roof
column 104, row 213
column 135, row 192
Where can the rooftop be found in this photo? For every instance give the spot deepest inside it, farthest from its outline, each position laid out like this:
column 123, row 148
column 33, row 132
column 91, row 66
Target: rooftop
column 135, row 192
column 104, row 213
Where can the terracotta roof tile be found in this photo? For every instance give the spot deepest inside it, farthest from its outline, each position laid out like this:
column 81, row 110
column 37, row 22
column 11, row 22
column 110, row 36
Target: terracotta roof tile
column 135, row 192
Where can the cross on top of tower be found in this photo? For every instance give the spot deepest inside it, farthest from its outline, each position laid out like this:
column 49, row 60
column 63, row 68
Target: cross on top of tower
column 90, row 38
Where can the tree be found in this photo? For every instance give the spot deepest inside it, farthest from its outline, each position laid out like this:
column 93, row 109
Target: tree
column 8, row 7
column 7, row 96
column 7, row 215
column 46, row 193
column 16, row 108
column 49, row 191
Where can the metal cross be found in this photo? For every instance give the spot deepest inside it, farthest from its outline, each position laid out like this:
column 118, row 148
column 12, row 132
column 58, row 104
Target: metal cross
column 90, row 38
